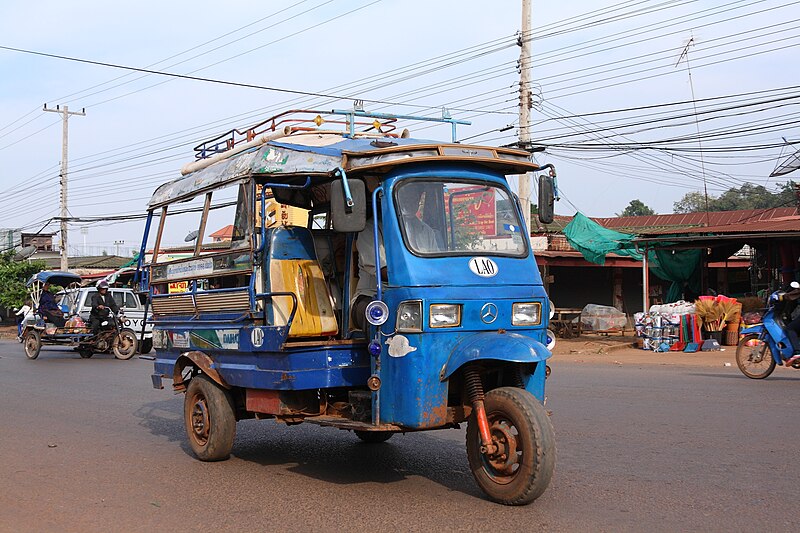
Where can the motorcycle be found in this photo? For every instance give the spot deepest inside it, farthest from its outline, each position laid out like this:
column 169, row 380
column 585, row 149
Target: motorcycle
column 36, row 331
column 112, row 337
column 764, row 346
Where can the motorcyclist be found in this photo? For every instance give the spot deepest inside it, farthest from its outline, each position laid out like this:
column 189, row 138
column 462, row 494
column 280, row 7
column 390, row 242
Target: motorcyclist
column 793, row 327
column 102, row 303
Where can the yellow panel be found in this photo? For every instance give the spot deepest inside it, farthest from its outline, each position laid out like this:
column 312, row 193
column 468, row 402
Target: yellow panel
column 303, row 277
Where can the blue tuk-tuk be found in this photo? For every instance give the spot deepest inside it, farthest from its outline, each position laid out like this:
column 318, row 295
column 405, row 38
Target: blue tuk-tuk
column 260, row 321
column 58, row 324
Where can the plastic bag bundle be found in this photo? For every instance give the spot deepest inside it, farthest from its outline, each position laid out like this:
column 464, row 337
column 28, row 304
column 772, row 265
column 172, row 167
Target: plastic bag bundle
column 602, row 318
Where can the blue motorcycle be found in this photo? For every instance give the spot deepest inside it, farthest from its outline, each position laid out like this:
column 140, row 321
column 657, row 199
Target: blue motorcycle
column 764, row 346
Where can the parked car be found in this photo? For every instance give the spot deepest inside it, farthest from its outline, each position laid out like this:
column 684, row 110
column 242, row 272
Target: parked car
column 128, row 303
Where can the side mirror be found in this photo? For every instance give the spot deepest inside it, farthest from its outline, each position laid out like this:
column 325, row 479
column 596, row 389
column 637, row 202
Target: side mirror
column 547, row 199
column 356, row 219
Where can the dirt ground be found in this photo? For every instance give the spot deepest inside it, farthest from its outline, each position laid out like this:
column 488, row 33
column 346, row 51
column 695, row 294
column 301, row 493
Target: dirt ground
column 620, row 351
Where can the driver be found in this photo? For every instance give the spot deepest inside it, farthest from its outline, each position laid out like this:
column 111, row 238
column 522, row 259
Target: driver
column 102, row 302
column 421, row 237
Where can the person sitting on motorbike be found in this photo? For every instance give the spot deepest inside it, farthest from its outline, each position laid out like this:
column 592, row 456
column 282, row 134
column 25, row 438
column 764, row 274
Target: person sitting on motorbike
column 49, row 309
column 792, row 328
column 102, row 303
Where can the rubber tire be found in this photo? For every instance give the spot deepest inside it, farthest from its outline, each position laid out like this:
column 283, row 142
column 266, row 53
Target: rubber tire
column 529, row 417
column 85, row 354
column 742, row 353
column 221, row 419
column 146, row 345
column 32, row 343
column 130, row 337
column 373, row 437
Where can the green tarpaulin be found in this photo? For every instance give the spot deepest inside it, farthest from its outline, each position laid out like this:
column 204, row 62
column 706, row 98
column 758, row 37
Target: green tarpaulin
column 594, row 242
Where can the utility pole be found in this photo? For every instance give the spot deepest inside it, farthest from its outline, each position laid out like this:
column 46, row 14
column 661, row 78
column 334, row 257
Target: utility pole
column 685, row 54
column 65, row 114
column 525, row 105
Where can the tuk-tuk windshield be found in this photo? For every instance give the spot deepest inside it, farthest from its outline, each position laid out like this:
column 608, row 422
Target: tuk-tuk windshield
column 458, row 218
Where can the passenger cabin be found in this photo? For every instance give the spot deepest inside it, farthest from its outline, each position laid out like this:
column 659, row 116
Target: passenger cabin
column 298, row 281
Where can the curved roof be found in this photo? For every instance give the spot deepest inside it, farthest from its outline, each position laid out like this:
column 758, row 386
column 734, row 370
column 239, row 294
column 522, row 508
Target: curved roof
column 322, row 153
column 55, row 277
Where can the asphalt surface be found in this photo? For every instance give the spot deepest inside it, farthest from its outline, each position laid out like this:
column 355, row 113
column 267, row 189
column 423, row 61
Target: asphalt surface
column 88, row 445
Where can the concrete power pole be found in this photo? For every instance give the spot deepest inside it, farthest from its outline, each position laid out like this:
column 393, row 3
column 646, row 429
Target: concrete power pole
column 65, row 114
column 525, row 105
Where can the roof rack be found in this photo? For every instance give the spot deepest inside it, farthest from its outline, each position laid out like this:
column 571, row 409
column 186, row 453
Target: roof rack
column 309, row 120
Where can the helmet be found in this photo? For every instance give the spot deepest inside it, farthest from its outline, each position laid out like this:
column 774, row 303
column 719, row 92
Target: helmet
column 102, row 284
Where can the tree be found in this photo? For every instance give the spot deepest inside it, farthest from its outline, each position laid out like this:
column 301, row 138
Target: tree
column 13, row 275
column 748, row 196
column 636, row 208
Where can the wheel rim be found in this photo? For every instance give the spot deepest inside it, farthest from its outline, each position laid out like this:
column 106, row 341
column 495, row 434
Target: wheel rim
column 199, row 419
column 125, row 345
column 504, row 464
column 757, row 357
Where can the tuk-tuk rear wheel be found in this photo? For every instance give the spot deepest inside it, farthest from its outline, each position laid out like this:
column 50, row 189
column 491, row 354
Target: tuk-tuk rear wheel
column 521, row 468
column 209, row 419
column 85, row 353
column 32, row 344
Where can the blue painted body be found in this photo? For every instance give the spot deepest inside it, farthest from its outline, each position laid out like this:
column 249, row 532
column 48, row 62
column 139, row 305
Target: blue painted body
column 414, row 387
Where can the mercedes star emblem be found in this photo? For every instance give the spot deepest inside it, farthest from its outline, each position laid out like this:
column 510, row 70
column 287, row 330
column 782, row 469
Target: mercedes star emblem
column 488, row 313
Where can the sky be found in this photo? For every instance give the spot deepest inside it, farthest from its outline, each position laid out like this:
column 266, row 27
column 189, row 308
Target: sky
column 616, row 108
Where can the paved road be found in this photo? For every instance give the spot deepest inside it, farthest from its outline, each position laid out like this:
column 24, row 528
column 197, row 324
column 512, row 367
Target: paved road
column 641, row 448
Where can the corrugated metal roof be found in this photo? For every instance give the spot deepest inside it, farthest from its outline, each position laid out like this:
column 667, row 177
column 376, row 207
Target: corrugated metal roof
column 678, row 223
column 714, row 218
column 776, row 225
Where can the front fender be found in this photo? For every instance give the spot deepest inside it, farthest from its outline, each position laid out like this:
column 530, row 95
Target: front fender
column 493, row 345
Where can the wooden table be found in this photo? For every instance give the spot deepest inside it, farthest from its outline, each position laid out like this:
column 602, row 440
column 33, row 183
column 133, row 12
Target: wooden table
column 562, row 324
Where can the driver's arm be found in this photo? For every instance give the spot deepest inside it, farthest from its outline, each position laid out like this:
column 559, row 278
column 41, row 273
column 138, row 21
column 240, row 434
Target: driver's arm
column 792, row 295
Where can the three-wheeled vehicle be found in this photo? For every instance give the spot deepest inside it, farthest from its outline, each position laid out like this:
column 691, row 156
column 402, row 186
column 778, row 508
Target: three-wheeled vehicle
column 68, row 329
column 259, row 323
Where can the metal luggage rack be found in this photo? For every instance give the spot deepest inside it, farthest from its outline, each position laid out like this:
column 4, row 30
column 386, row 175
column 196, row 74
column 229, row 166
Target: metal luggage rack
column 309, row 120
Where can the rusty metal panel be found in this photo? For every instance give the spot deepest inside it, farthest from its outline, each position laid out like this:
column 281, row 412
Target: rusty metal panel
column 263, row 401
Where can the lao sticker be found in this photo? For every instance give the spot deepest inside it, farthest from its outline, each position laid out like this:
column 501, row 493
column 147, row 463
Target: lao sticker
column 257, row 337
column 483, row 267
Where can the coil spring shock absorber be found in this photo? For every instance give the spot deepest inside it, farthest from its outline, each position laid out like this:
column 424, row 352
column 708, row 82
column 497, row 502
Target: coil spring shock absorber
column 474, row 387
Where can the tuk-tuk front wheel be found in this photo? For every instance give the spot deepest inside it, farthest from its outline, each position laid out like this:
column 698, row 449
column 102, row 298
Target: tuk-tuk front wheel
column 520, row 468
column 124, row 345
column 32, row 342
column 209, row 418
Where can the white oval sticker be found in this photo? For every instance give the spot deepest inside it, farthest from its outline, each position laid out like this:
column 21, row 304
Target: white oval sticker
column 483, row 266
column 257, row 337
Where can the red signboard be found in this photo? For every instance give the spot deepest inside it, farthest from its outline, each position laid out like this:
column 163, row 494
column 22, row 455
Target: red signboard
column 475, row 209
